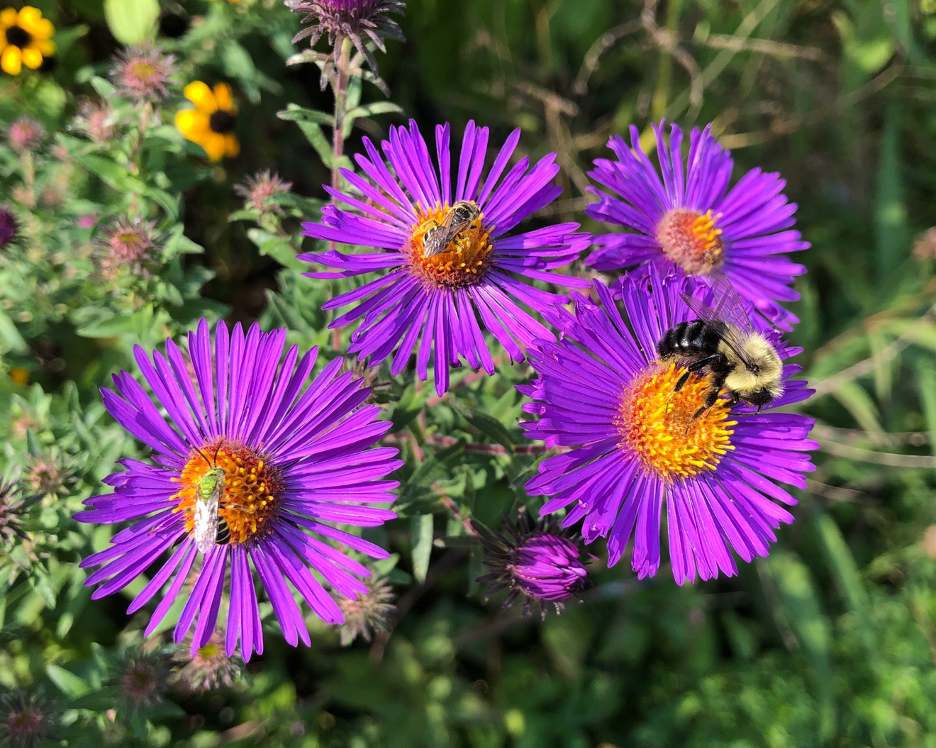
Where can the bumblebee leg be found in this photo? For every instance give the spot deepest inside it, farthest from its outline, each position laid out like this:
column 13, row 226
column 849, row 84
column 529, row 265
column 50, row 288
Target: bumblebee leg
column 695, row 366
column 710, row 399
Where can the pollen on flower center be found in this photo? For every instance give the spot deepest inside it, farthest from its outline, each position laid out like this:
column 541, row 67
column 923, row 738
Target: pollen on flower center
column 252, row 489
column 657, row 423
column 463, row 263
column 690, row 239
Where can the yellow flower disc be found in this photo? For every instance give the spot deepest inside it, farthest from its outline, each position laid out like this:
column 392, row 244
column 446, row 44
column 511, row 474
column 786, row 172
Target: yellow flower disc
column 656, row 423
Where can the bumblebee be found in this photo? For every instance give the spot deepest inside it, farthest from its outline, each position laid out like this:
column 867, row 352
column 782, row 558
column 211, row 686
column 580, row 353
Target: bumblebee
column 458, row 218
column 738, row 359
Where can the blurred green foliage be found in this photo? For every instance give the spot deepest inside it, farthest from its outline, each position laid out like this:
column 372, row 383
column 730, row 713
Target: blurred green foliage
column 829, row 642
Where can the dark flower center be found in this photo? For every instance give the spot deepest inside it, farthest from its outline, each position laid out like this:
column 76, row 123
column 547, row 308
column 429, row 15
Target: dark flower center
column 18, row 37
column 221, row 121
column 173, row 25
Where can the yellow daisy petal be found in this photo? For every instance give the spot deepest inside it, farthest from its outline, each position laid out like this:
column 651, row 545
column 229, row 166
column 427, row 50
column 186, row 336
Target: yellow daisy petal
column 11, row 61
column 3, row 41
column 192, row 124
column 32, row 57
column 200, row 95
column 214, row 145
column 43, row 29
column 28, row 18
column 8, row 18
column 222, row 95
column 46, row 46
column 231, row 145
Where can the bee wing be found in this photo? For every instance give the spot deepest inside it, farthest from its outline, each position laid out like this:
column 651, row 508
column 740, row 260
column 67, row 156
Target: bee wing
column 728, row 313
column 441, row 236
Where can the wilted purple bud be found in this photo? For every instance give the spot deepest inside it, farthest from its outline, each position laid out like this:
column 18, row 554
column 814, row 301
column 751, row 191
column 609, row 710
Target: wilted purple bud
column 259, row 190
column 209, row 669
column 543, row 563
column 26, row 719
column 128, row 246
column 48, row 475
column 368, row 613
column 352, row 19
column 13, row 505
column 97, row 120
column 8, row 228
column 26, row 134
column 143, row 73
column 143, row 681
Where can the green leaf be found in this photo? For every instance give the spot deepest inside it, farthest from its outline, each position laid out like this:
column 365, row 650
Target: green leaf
column 926, row 384
column 131, row 21
column 68, row 683
column 846, row 574
column 421, row 528
column 857, row 401
column 800, row 605
column 10, row 335
column 890, row 212
column 487, row 425
column 294, row 113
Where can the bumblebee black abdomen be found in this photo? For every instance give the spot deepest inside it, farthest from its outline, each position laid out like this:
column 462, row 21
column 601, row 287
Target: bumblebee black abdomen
column 689, row 339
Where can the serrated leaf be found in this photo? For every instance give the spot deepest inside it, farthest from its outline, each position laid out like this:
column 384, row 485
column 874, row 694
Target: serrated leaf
column 421, row 529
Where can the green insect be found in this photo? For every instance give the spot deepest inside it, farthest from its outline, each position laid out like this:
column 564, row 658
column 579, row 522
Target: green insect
column 209, row 528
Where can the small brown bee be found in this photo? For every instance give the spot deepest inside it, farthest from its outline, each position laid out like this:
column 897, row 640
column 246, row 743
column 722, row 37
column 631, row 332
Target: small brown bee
column 458, row 218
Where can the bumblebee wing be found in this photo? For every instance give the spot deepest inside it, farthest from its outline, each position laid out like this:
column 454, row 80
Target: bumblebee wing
column 727, row 316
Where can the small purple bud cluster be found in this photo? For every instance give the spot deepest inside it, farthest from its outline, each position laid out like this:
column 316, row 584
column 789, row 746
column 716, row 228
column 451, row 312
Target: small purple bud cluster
column 543, row 563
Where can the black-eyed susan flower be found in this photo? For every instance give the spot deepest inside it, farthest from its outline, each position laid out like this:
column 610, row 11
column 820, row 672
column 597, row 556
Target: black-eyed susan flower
column 211, row 122
column 25, row 39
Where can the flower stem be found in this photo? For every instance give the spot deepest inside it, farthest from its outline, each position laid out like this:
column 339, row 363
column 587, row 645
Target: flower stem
column 340, row 88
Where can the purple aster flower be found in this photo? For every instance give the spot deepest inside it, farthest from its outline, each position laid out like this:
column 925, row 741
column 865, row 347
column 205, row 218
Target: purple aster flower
column 637, row 447
column 692, row 220
column 294, row 451
column 454, row 290
column 8, row 227
column 542, row 563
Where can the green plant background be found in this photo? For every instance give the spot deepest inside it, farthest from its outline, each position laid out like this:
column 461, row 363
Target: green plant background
column 830, row 641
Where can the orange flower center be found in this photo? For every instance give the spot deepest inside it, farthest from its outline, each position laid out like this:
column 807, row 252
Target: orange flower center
column 463, row 262
column 252, row 489
column 657, row 423
column 690, row 239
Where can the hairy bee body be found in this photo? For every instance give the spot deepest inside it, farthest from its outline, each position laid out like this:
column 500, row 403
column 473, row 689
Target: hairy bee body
column 738, row 359
column 458, row 218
